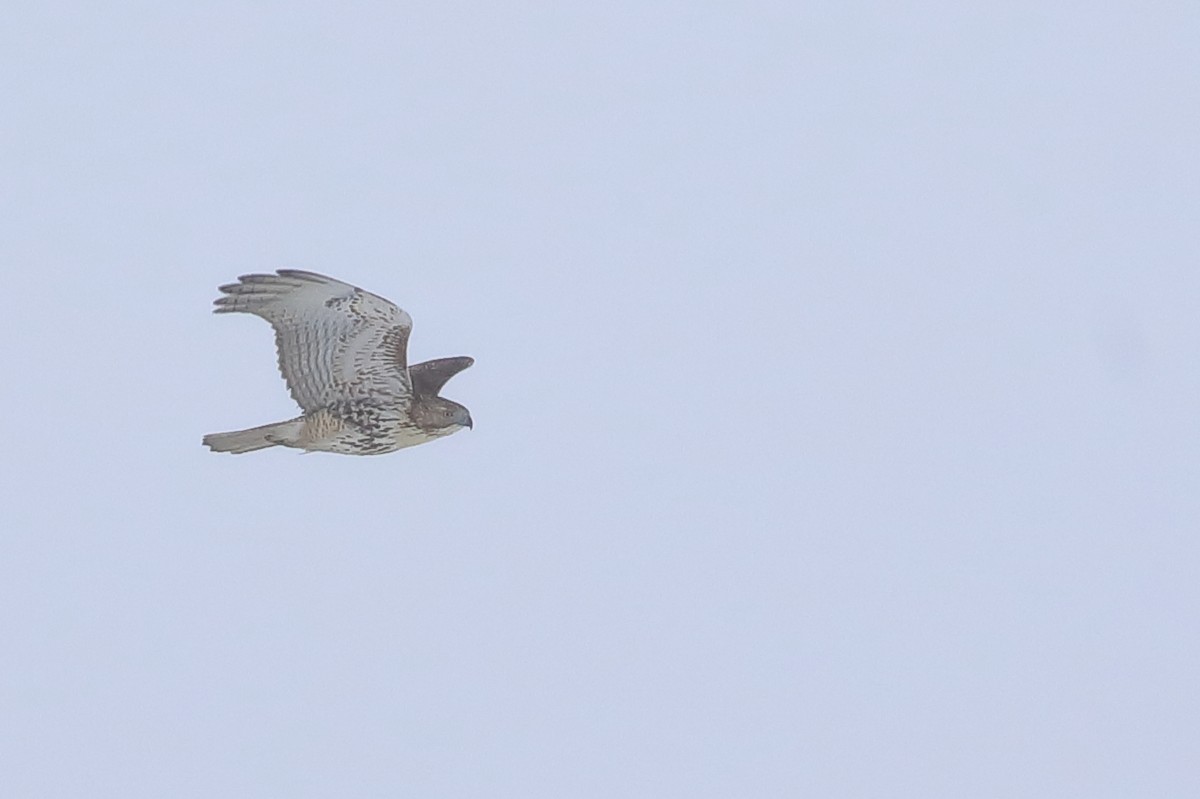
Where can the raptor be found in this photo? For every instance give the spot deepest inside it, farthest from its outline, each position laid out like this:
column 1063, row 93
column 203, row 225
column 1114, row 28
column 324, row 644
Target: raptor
column 343, row 352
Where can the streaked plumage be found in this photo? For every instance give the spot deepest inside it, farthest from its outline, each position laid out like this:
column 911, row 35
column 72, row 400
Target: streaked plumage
column 343, row 353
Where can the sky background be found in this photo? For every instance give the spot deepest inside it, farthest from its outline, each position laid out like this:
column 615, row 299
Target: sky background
column 835, row 401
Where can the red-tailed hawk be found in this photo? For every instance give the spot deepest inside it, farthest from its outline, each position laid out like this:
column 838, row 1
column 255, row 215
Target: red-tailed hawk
column 343, row 353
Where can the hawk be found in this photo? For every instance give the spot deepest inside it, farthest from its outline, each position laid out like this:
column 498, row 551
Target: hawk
column 343, row 353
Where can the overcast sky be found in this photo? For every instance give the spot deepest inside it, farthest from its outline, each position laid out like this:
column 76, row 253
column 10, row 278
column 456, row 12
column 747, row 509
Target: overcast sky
column 835, row 401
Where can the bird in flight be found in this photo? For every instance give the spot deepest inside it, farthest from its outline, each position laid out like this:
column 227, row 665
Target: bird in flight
column 344, row 354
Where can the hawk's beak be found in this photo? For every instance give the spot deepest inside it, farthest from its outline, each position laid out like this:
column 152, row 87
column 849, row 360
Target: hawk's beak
column 470, row 423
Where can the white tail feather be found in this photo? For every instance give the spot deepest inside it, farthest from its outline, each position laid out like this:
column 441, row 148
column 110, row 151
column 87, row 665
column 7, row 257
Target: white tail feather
column 268, row 435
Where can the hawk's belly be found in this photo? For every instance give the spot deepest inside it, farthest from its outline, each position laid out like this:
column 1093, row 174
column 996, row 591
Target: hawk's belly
column 363, row 431
column 353, row 442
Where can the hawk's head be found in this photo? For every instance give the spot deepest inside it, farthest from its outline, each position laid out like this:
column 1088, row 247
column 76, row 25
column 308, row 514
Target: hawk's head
column 440, row 414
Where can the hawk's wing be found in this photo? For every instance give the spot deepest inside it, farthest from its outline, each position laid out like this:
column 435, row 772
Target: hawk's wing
column 336, row 342
column 428, row 377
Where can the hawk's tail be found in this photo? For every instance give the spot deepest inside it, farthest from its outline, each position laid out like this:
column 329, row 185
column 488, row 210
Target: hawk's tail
column 268, row 435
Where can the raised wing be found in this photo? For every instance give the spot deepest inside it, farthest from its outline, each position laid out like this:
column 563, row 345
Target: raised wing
column 336, row 342
column 428, row 377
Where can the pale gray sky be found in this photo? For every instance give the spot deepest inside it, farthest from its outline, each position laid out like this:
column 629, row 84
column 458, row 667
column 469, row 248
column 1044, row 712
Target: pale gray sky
column 835, row 401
